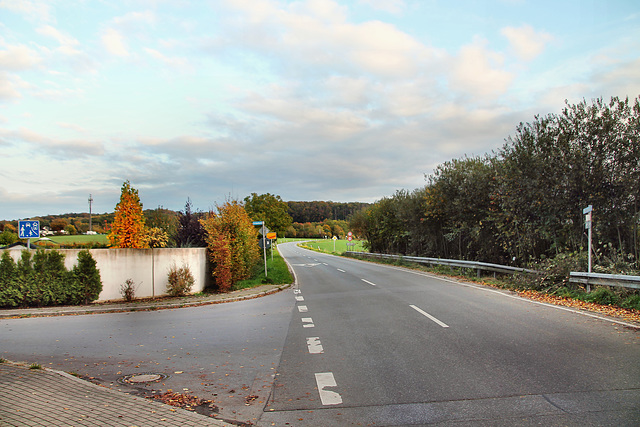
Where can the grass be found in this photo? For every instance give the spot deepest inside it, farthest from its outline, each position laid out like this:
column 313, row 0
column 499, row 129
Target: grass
column 277, row 273
column 327, row 245
column 80, row 239
column 35, row 366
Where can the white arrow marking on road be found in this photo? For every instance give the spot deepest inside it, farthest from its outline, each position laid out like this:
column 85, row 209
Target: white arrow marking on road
column 444, row 325
column 307, row 322
column 366, row 281
column 302, row 308
column 314, row 345
column 297, row 291
column 327, row 397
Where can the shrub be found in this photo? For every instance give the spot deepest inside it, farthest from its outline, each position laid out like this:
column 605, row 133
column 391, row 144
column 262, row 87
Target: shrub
column 632, row 302
column 87, row 282
column 10, row 295
column 128, row 290
column 180, row 281
column 602, row 296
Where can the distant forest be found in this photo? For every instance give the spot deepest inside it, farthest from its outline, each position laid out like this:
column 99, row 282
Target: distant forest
column 301, row 212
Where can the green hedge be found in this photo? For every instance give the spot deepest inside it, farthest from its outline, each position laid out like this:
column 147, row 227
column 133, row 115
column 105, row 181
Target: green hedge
column 43, row 280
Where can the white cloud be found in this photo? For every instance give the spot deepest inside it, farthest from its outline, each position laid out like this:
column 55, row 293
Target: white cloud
column 32, row 10
column 114, row 42
column 391, row 6
column 18, row 58
column 175, row 62
column 477, row 72
column 10, row 85
column 525, row 42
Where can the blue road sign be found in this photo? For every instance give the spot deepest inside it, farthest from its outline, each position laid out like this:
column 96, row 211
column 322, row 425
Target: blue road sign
column 258, row 222
column 28, row 229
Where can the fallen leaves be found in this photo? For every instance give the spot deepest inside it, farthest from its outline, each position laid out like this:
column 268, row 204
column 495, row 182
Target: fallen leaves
column 185, row 401
column 609, row 310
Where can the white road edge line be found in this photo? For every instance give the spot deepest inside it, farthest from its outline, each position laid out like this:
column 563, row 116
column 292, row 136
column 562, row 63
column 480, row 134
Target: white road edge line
column 326, row 379
column 424, row 313
column 366, row 281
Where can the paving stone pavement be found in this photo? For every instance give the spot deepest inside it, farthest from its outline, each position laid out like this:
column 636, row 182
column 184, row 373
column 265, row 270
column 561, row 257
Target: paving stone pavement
column 45, row 397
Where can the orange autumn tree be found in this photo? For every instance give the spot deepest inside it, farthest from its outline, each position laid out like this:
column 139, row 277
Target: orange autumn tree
column 233, row 244
column 128, row 228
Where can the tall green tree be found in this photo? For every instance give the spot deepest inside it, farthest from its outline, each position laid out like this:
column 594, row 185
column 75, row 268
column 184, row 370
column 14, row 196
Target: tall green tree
column 270, row 209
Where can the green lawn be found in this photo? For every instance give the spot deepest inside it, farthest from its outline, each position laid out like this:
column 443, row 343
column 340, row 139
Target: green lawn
column 80, row 238
column 327, row 245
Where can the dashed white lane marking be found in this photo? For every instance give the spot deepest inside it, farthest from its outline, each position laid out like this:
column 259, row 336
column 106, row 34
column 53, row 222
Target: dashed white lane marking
column 299, row 298
column 307, row 322
column 314, row 345
column 328, row 397
column 424, row 313
column 366, row 281
column 341, row 270
column 324, row 263
column 302, row 308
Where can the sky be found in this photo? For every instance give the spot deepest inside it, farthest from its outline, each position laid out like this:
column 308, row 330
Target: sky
column 309, row 100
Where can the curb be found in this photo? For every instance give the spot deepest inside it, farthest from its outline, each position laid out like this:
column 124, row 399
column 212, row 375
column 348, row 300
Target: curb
column 80, row 310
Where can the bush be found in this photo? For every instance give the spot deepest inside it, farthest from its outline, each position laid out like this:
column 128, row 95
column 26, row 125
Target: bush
column 10, row 295
column 87, row 281
column 128, row 290
column 180, row 281
column 632, row 302
column 44, row 279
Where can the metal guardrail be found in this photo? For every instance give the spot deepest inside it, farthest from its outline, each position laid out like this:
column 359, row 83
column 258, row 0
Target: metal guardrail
column 478, row 266
column 619, row 280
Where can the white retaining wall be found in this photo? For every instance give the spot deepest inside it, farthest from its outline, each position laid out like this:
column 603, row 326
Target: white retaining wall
column 148, row 268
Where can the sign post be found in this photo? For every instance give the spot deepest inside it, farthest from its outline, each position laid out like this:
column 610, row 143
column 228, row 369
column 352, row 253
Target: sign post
column 263, row 230
column 28, row 230
column 588, row 224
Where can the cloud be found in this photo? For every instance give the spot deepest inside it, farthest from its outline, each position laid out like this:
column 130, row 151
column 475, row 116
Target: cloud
column 317, row 36
column 525, row 42
column 8, row 88
column 391, row 6
column 115, row 42
column 29, row 141
column 32, row 10
column 476, row 71
column 18, row 58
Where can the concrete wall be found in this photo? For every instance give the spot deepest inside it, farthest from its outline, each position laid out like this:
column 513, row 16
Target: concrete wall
column 148, row 268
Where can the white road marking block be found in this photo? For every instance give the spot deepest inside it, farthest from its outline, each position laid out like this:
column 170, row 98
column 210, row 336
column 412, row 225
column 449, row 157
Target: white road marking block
column 424, row 313
column 327, row 397
column 299, row 298
column 371, row 283
column 297, row 291
column 307, row 322
column 302, row 308
column 314, row 345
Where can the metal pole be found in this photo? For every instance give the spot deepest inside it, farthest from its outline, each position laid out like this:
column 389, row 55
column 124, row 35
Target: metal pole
column 264, row 250
column 90, row 200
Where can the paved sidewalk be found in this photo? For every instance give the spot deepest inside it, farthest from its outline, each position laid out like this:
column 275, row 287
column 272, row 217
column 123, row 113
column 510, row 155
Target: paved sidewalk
column 146, row 304
column 44, row 397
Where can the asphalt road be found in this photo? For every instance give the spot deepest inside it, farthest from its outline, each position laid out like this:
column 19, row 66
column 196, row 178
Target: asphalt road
column 395, row 347
column 224, row 352
column 357, row 343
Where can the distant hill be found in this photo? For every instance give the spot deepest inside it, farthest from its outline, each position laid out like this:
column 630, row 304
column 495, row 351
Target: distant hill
column 301, row 212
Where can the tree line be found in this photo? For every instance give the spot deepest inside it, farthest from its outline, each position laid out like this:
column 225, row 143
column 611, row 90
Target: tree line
column 524, row 202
